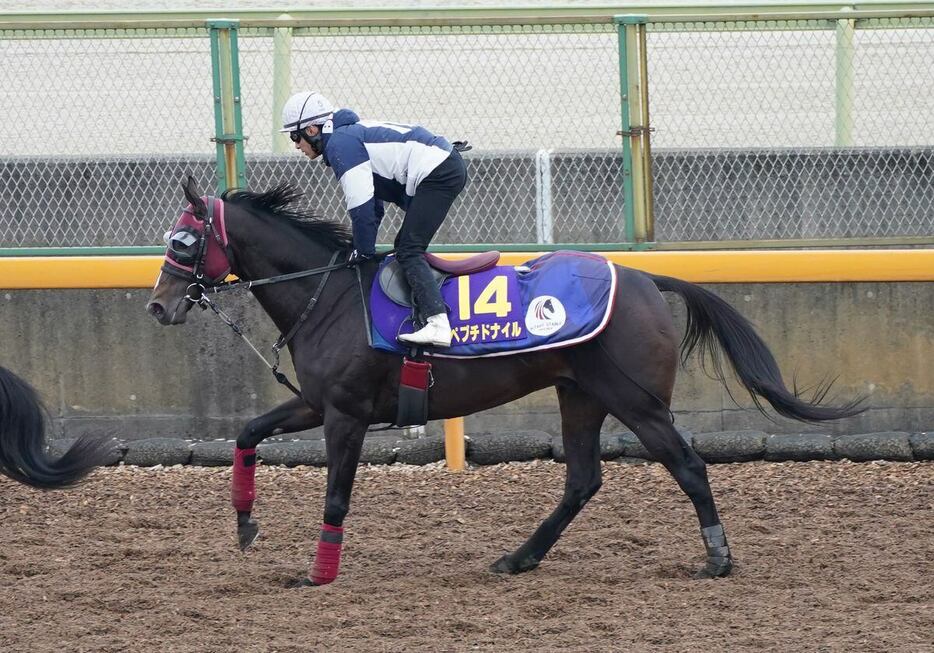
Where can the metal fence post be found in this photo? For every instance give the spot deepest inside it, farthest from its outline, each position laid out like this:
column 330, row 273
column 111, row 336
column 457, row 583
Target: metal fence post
column 228, row 121
column 281, row 81
column 647, row 232
column 629, row 219
column 454, row 445
column 634, row 104
column 843, row 105
column 544, row 224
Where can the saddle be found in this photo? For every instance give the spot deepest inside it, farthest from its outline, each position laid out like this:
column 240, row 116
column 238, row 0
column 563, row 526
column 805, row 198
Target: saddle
column 393, row 283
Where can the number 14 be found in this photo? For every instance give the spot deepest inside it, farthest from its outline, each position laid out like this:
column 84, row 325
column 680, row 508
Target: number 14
column 492, row 299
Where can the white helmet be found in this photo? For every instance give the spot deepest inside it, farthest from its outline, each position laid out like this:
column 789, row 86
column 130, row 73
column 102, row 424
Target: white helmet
column 305, row 108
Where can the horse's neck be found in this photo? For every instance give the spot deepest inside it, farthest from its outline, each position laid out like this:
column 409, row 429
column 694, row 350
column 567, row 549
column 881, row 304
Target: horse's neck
column 285, row 301
column 264, row 262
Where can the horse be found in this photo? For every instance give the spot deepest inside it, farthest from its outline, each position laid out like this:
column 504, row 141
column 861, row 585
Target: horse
column 628, row 370
column 23, row 455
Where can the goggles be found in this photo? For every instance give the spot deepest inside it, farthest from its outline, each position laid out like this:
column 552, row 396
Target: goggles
column 183, row 245
column 196, row 248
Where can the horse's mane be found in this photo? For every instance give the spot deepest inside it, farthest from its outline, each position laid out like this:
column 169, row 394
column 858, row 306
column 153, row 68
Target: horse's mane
column 277, row 203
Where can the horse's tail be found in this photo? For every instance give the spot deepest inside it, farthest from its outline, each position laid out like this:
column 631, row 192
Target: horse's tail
column 22, row 448
column 712, row 321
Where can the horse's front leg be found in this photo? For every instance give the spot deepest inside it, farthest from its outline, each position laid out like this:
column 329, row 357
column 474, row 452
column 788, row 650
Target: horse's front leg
column 289, row 417
column 343, row 437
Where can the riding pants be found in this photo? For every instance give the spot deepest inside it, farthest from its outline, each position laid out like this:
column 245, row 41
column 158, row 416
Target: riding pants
column 433, row 199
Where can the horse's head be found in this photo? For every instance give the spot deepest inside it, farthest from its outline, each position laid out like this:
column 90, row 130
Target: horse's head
column 253, row 235
column 196, row 257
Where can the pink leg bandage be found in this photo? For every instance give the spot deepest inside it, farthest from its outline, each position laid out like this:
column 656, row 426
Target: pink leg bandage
column 243, row 487
column 328, row 558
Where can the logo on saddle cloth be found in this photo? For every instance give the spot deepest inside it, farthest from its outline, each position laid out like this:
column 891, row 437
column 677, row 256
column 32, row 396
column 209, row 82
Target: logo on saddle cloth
column 557, row 300
column 545, row 316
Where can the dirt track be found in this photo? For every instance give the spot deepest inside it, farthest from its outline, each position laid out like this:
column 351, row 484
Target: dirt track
column 832, row 557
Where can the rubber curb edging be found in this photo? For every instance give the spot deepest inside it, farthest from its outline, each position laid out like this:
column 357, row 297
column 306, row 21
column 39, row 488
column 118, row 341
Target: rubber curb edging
column 515, row 446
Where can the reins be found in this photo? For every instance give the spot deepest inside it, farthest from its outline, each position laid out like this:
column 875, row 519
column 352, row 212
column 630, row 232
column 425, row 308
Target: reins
column 199, row 288
column 237, row 285
column 203, row 301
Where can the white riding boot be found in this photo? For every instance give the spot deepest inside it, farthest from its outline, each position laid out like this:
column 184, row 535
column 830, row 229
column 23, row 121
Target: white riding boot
column 436, row 333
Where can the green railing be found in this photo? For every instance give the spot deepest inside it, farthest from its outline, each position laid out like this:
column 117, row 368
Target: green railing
column 228, row 118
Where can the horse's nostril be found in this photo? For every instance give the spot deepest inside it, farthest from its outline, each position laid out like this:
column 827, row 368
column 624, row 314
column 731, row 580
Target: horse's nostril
column 156, row 309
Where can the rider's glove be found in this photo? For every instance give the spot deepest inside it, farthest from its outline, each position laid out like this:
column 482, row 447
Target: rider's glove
column 356, row 258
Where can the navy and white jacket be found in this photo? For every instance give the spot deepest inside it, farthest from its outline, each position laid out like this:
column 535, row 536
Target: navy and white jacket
column 376, row 162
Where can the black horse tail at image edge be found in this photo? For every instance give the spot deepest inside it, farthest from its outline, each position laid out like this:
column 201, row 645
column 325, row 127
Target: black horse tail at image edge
column 23, row 456
column 711, row 321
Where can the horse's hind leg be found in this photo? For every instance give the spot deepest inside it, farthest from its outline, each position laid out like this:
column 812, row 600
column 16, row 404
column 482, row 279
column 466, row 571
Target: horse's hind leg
column 656, row 432
column 289, row 417
column 650, row 420
column 581, row 419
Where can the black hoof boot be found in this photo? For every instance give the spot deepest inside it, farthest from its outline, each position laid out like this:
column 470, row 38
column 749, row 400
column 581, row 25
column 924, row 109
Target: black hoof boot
column 247, row 531
column 715, row 568
column 509, row 564
column 719, row 561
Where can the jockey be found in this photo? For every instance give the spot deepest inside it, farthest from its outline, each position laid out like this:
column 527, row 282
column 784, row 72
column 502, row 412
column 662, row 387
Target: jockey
column 386, row 161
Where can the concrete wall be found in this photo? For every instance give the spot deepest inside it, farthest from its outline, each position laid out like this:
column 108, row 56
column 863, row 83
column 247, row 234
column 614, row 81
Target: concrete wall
column 103, row 365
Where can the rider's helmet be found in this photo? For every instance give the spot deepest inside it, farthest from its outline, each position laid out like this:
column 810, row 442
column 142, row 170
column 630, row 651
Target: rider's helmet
column 304, row 109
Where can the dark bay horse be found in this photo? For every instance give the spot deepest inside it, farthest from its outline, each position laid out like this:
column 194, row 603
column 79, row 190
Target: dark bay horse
column 22, row 441
column 627, row 371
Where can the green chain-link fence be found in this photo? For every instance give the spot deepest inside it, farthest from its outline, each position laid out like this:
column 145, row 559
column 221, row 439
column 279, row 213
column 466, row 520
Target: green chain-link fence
column 817, row 127
column 820, row 128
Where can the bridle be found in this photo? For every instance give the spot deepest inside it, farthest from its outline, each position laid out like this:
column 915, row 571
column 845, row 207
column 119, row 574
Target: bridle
column 189, row 262
column 191, row 265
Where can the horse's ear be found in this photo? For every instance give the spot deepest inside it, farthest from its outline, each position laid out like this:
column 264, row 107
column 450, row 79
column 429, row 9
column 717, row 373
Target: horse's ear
column 193, row 196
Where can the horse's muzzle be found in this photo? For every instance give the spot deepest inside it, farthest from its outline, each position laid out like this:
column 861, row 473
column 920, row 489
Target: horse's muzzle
column 165, row 317
column 168, row 303
column 156, row 309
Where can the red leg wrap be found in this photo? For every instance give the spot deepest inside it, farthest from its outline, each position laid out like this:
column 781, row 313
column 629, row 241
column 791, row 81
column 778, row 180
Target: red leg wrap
column 328, row 558
column 243, row 487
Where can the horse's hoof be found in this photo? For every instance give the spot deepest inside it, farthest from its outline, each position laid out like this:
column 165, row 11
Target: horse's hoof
column 247, row 534
column 509, row 565
column 304, row 581
column 715, row 568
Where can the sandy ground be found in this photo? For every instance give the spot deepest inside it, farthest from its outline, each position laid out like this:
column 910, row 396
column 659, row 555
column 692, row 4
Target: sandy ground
column 831, row 557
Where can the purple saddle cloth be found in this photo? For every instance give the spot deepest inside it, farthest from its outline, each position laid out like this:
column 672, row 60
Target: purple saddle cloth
column 556, row 300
